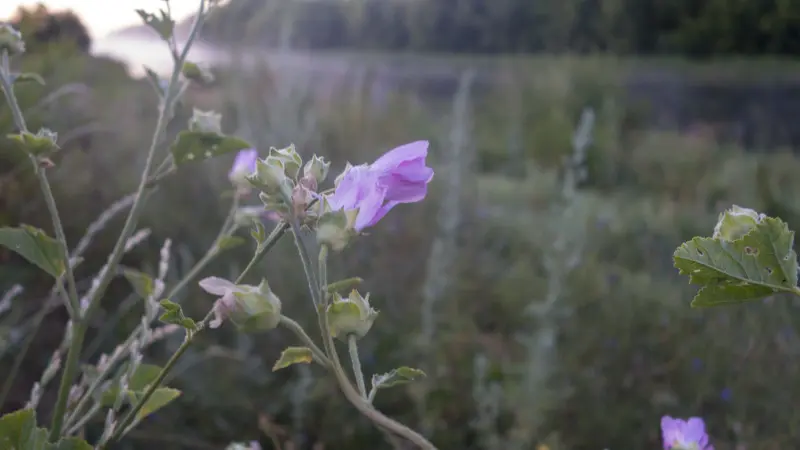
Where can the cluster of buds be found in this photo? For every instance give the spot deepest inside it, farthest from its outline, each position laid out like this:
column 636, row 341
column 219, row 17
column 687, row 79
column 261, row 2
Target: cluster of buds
column 286, row 186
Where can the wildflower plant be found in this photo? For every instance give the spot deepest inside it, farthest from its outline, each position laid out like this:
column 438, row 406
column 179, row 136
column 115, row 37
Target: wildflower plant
column 119, row 386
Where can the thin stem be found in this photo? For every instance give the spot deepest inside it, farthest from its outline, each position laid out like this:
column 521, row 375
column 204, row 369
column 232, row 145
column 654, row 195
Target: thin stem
column 294, row 327
column 263, row 249
column 352, row 345
column 317, row 290
column 73, row 355
column 151, row 389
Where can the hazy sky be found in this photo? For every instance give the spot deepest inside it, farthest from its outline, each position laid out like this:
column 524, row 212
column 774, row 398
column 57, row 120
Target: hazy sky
column 104, row 16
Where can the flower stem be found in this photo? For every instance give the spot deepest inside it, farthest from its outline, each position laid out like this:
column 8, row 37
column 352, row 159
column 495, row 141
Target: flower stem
column 294, row 327
column 317, row 291
column 352, row 345
column 81, row 324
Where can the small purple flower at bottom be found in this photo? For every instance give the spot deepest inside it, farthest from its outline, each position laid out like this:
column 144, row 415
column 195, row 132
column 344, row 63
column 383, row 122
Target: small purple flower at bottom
column 679, row 434
column 399, row 176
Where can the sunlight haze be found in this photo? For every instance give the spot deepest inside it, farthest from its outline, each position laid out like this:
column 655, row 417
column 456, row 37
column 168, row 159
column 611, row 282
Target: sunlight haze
column 105, row 16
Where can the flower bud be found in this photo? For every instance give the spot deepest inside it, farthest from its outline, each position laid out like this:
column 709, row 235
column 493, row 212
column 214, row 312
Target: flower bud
column 351, row 315
column 206, row 121
column 336, row 228
column 736, row 222
column 11, row 40
column 250, row 308
column 270, row 176
column 292, row 162
column 199, row 73
column 317, row 169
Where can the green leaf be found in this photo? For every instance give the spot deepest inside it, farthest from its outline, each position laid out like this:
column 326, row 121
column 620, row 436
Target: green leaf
column 401, row 375
column 293, row 355
column 143, row 284
column 142, row 377
column 230, row 242
column 160, row 398
column 191, row 146
column 27, row 77
column 36, row 246
column 18, row 431
column 173, row 314
column 759, row 264
column 163, row 25
column 345, row 285
column 154, row 80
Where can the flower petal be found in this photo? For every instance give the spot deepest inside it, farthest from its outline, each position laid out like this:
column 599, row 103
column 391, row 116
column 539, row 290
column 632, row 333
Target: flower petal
column 370, row 207
column 417, row 150
column 217, row 286
column 695, row 431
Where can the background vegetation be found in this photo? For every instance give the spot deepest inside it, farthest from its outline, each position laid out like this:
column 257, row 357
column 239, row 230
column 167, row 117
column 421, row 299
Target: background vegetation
column 542, row 315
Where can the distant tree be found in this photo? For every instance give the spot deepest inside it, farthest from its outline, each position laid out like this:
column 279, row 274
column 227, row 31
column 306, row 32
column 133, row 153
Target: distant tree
column 43, row 29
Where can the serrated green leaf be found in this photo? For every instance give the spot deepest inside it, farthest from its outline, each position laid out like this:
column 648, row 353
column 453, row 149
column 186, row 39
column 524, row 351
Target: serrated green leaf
column 401, row 375
column 163, row 25
column 36, row 246
column 759, row 264
column 192, row 146
column 160, row 398
column 142, row 284
column 18, row 431
column 293, row 355
column 142, row 377
column 173, row 314
column 230, row 242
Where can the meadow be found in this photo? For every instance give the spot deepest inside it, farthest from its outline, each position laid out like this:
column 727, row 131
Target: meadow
column 535, row 286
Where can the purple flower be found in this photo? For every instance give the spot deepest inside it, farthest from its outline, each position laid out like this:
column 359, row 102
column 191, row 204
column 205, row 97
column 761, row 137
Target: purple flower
column 399, row 176
column 679, row 434
column 243, row 165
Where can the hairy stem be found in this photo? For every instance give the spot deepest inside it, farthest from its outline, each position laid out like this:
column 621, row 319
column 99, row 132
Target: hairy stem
column 352, row 345
column 294, row 327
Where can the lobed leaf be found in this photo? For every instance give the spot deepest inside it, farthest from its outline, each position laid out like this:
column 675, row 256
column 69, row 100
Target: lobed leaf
column 36, row 246
column 192, row 146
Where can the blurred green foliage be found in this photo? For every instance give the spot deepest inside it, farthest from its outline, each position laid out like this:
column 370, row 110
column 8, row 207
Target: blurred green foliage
column 641, row 27
column 629, row 348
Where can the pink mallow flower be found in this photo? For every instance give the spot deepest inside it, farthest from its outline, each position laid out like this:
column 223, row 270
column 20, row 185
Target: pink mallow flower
column 399, row 176
column 679, row 434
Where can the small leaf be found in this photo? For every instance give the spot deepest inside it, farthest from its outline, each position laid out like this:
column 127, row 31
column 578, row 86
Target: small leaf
column 346, row 285
column 154, row 80
column 71, row 443
column 173, row 314
column 230, row 242
column 401, row 375
column 163, row 25
column 259, row 233
column 191, row 146
column 160, row 398
column 759, row 264
column 293, row 355
column 143, row 284
column 34, row 245
column 142, row 377
column 27, row 77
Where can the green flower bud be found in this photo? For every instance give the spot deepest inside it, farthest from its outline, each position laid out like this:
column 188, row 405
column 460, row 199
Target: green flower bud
column 292, row 162
column 351, row 315
column 250, row 308
column 317, row 169
column 199, row 73
column 336, row 228
column 206, row 121
column 11, row 40
column 270, row 176
column 736, row 222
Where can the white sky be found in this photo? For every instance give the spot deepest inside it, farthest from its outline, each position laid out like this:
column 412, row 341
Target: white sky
column 105, row 16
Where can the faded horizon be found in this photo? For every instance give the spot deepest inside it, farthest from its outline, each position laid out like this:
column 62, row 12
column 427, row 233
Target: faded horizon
column 102, row 16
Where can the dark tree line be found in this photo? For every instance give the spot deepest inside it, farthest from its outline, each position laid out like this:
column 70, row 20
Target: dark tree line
column 643, row 27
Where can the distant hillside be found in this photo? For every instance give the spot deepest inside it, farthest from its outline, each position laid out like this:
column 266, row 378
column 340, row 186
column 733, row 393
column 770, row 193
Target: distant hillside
column 142, row 31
